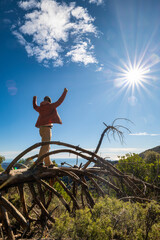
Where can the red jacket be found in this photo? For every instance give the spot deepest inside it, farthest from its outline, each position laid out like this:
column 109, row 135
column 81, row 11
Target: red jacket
column 47, row 111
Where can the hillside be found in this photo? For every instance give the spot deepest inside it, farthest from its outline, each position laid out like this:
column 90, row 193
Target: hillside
column 155, row 149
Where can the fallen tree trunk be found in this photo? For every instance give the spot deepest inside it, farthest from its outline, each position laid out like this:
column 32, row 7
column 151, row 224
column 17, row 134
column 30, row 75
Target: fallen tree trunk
column 103, row 176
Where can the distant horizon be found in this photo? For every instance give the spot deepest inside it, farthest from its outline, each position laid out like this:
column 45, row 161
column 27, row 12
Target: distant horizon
column 71, row 161
column 59, row 159
column 109, row 153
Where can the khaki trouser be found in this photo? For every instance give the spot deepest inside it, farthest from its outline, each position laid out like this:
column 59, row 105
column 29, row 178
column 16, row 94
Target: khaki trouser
column 46, row 134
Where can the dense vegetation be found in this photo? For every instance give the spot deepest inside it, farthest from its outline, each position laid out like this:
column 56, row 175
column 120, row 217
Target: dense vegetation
column 109, row 219
column 1, row 160
column 146, row 168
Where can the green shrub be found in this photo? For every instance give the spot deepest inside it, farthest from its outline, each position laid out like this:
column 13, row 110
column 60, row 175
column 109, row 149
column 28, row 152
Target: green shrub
column 62, row 227
column 60, row 189
column 146, row 168
column 1, row 160
column 111, row 219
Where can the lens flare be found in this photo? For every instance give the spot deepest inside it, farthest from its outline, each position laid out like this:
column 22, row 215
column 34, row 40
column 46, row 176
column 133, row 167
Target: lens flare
column 132, row 76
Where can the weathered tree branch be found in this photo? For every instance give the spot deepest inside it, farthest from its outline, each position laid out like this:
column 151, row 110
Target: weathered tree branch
column 39, row 203
column 10, row 208
column 80, row 177
column 6, row 223
column 55, row 192
column 114, row 129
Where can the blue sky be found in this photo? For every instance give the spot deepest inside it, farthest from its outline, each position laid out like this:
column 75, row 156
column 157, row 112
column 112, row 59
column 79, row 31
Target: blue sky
column 106, row 52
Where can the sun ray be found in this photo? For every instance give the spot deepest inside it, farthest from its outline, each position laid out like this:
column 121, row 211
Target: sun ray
column 136, row 75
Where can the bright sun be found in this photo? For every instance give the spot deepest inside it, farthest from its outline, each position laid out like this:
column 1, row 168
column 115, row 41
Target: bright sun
column 134, row 75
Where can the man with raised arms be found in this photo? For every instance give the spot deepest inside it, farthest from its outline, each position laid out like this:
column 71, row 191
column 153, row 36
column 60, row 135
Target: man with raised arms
column 48, row 116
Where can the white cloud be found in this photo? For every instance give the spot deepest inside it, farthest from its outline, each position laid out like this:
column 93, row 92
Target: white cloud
column 113, row 153
column 80, row 53
column 26, row 5
column 20, row 38
column 98, row 2
column 51, row 31
column 108, row 153
column 58, row 62
column 100, row 68
column 145, row 134
column 81, row 13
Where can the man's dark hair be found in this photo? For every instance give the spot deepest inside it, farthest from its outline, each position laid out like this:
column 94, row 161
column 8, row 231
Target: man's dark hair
column 47, row 99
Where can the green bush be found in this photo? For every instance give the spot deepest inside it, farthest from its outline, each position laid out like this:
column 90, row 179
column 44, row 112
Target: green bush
column 60, row 189
column 1, row 160
column 146, row 168
column 62, row 227
column 110, row 219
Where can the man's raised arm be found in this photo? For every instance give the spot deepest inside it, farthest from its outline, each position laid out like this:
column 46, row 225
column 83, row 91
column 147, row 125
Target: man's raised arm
column 35, row 103
column 61, row 99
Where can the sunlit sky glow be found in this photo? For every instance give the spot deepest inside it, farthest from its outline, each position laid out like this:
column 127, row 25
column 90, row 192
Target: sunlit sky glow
column 133, row 76
column 107, row 53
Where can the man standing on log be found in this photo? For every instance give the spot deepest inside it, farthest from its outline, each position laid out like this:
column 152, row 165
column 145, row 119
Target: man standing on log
column 48, row 115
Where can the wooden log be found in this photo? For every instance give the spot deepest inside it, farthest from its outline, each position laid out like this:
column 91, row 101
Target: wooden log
column 17, row 177
column 111, row 169
column 39, row 203
column 22, row 198
column 1, row 231
column 74, row 191
column 55, row 192
column 90, row 200
column 99, row 189
column 82, row 199
column 49, row 199
column 77, row 148
column 6, row 223
column 133, row 186
column 35, row 146
column 87, row 164
column 114, row 129
column 149, row 185
column 100, row 160
column 107, row 182
column 92, row 156
column 10, row 208
column 73, row 176
column 41, row 193
column 39, row 160
column 69, row 193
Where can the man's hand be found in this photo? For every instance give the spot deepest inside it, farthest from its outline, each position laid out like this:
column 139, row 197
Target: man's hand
column 35, row 103
column 35, row 99
column 66, row 90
